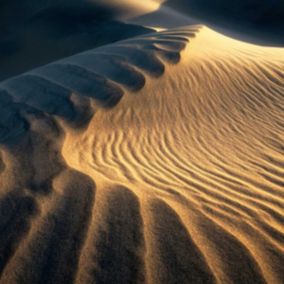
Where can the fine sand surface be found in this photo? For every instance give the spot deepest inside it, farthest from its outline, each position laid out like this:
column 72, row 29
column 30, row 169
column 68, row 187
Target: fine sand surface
column 156, row 159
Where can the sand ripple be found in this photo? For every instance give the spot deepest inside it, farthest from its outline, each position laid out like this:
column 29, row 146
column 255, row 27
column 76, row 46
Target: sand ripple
column 157, row 159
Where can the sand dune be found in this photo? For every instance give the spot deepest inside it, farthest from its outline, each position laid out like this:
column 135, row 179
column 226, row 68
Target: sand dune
column 156, row 159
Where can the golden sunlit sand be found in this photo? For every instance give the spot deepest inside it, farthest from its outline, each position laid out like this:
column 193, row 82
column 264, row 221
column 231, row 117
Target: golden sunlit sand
column 157, row 159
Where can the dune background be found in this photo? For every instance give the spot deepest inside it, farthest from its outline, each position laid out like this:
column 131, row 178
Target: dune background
column 152, row 154
column 254, row 21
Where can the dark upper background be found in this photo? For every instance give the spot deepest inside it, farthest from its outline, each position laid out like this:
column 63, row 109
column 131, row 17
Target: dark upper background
column 36, row 32
column 259, row 21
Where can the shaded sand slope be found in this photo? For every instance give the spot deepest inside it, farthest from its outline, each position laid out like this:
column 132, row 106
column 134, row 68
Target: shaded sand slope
column 153, row 160
column 57, row 32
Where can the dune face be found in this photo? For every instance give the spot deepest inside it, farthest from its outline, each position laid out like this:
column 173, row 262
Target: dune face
column 157, row 159
column 153, row 159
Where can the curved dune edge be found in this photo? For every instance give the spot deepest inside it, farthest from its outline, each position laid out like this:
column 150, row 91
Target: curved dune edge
column 125, row 178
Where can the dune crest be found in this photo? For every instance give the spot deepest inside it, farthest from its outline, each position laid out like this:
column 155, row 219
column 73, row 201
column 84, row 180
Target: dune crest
column 157, row 159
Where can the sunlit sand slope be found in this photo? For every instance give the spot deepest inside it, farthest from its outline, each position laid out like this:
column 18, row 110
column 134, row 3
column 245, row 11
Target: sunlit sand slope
column 153, row 160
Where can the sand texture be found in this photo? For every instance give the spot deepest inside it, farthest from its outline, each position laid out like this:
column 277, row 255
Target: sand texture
column 156, row 159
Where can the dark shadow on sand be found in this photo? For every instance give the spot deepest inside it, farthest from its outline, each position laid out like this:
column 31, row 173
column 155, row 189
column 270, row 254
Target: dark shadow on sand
column 55, row 33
